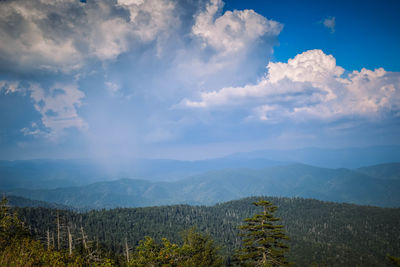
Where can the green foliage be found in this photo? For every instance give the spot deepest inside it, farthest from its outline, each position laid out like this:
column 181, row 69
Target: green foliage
column 262, row 244
column 28, row 252
column 197, row 250
column 18, row 248
column 11, row 228
column 394, row 260
column 321, row 233
column 150, row 253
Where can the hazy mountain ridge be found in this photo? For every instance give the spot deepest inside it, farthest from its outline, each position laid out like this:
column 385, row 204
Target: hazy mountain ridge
column 352, row 157
column 390, row 171
column 51, row 174
column 295, row 180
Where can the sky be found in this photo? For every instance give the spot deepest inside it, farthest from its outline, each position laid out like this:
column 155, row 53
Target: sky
column 196, row 79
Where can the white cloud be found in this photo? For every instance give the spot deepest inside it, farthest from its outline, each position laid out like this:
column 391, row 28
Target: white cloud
column 310, row 66
column 150, row 18
column 234, row 31
column 226, row 49
column 58, row 108
column 263, row 112
column 330, row 23
column 33, row 130
column 68, row 36
column 106, row 44
column 310, row 85
column 9, row 87
column 26, row 43
column 64, row 35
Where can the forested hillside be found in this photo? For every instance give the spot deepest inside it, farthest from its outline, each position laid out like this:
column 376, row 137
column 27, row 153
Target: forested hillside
column 16, row 201
column 321, row 233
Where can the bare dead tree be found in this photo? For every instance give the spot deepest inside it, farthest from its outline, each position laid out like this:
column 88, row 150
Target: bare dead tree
column 52, row 240
column 69, row 241
column 48, row 238
column 58, row 231
column 126, row 249
column 84, row 239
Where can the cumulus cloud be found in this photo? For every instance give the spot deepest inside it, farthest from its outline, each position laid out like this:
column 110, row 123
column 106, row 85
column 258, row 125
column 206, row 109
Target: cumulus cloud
column 66, row 36
column 150, row 18
column 234, row 30
column 63, row 35
column 330, row 23
column 308, row 86
column 225, row 48
column 27, row 39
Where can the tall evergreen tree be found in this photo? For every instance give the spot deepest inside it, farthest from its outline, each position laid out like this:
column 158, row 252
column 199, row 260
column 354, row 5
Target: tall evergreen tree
column 263, row 239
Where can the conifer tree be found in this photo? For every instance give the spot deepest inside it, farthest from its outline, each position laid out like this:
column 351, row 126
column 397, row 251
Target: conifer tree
column 263, row 243
column 199, row 250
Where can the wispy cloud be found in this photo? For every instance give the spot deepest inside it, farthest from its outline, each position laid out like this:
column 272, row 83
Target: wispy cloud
column 330, row 23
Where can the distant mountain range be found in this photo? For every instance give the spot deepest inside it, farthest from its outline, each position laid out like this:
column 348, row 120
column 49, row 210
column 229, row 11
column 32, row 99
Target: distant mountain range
column 351, row 158
column 51, row 174
column 377, row 185
column 39, row 174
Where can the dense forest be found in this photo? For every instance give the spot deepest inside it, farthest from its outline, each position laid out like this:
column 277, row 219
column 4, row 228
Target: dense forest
column 320, row 233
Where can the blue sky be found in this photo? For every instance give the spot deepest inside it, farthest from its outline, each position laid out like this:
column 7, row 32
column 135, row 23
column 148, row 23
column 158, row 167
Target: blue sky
column 195, row 79
column 367, row 33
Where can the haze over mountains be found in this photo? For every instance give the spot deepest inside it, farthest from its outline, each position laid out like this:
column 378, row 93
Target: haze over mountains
column 352, row 157
column 295, row 180
column 86, row 184
column 39, row 174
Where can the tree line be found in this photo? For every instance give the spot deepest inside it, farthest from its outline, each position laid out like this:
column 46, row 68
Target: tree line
column 263, row 246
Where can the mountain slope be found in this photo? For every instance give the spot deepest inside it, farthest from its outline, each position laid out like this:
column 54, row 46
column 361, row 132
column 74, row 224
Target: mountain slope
column 124, row 193
column 51, row 174
column 388, row 171
column 355, row 157
column 323, row 233
column 341, row 185
column 296, row 180
column 15, row 201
